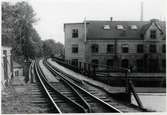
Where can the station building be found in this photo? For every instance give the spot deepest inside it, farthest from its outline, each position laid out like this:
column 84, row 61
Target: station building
column 140, row 45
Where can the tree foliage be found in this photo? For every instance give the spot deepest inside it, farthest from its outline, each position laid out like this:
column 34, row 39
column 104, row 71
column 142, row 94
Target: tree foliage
column 50, row 47
column 19, row 33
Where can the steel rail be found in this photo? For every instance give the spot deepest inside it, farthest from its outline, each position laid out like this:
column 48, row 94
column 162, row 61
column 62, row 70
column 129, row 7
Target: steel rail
column 83, row 101
column 61, row 74
column 78, row 107
column 57, row 109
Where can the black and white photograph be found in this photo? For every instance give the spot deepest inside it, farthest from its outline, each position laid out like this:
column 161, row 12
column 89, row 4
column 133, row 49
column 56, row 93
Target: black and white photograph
column 83, row 56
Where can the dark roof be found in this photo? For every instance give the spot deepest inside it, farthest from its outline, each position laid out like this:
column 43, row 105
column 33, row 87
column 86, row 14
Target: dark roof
column 96, row 31
column 160, row 25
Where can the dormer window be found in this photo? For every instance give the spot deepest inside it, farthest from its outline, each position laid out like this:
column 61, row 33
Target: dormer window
column 133, row 27
column 120, row 27
column 153, row 34
column 106, row 27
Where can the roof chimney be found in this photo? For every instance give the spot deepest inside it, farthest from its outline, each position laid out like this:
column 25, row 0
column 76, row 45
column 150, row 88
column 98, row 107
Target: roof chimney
column 141, row 15
column 111, row 18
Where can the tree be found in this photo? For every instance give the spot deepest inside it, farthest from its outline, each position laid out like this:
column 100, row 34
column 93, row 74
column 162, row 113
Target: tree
column 18, row 31
column 50, row 47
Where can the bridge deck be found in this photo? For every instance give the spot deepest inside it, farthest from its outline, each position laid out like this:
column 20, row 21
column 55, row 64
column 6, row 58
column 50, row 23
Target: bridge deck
column 85, row 78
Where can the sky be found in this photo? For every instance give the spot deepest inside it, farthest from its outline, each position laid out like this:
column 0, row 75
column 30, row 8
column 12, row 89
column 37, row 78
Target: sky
column 52, row 14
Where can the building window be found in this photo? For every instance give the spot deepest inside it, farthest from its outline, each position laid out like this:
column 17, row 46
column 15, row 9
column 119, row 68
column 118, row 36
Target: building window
column 140, row 65
column 153, row 65
column 5, row 52
column 164, row 48
column 153, row 49
column 133, row 27
column 140, row 48
column 75, row 62
column 125, row 48
column 75, row 48
column 120, row 27
column 110, row 48
column 106, row 27
column 164, row 63
column 94, row 48
column 153, row 34
column 109, row 62
column 125, row 63
column 75, row 33
column 95, row 63
column 141, row 35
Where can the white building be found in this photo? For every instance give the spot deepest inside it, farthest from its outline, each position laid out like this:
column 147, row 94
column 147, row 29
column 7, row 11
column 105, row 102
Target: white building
column 6, row 65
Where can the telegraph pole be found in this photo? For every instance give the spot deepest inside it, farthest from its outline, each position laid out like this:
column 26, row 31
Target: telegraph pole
column 141, row 15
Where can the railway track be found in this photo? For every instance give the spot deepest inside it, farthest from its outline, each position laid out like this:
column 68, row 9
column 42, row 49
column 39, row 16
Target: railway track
column 90, row 102
column 59, row 102
column 94, row 90
column 38, row 97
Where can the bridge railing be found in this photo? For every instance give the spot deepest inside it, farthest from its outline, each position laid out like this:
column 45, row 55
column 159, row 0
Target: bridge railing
column 92, row 71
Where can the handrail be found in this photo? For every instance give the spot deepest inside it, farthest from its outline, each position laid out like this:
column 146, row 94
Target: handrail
column 101, row 65
column 129, row 85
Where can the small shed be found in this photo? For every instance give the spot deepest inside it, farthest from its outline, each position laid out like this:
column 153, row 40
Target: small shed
column 17, row 69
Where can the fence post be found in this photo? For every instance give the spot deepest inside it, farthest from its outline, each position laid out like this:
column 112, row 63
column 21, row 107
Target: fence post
column 89, row 72
column 127, row 85
column 94, row 70
column 80, row 67
column 68, row 62
column 84, row 68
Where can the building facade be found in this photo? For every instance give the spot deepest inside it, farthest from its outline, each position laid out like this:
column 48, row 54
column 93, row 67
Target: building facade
column 140, row 45
column 6, row 65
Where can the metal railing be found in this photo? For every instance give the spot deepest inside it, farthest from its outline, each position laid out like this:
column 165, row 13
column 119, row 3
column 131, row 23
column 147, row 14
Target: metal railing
column 91, row 71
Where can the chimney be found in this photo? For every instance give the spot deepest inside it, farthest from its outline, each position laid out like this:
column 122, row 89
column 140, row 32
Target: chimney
column 111, row 18
column 141, row 15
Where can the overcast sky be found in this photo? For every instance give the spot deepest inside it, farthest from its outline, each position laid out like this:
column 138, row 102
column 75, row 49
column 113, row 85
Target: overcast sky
column 52, row 14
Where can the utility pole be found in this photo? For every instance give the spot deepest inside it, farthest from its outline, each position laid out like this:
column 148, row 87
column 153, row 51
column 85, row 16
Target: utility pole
column 141, row 15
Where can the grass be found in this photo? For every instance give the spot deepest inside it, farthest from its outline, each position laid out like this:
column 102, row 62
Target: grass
column 16, row 99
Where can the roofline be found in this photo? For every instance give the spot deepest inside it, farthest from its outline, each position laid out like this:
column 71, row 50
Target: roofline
column 110, row 21
column 120, row 38
column 73, row 23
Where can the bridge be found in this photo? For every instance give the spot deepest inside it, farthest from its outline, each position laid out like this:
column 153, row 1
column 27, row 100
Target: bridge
column 56, row 76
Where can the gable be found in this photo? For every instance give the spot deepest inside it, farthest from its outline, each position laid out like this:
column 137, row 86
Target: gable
column 154, row 26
